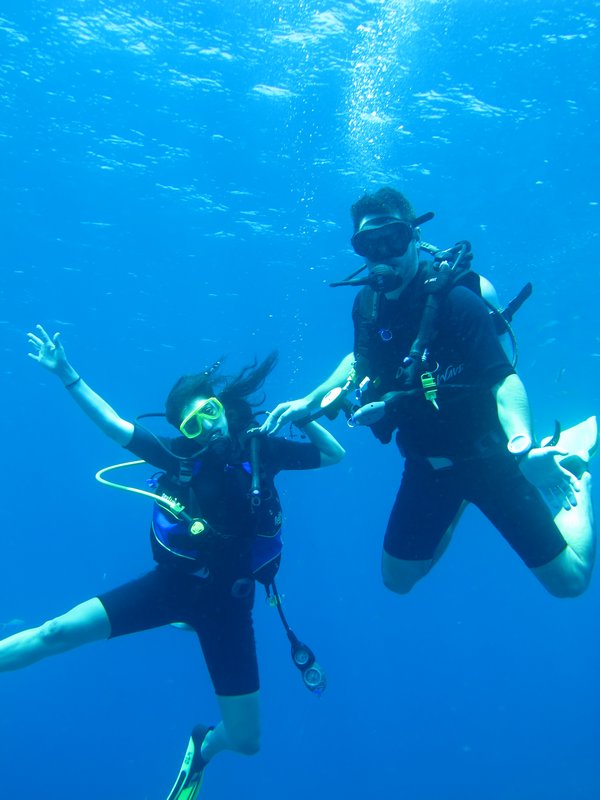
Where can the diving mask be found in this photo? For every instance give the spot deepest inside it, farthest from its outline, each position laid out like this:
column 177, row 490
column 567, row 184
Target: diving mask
column 380, row 238
column 209, row 409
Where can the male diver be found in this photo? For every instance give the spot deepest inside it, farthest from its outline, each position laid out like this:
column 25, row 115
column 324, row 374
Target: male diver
column 429, row 366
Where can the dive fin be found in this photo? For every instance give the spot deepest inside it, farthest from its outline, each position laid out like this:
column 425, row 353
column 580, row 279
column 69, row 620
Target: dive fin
column 188, row 783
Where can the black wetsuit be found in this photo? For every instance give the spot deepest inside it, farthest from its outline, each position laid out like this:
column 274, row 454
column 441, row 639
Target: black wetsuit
column 214, row 592
column 457, row 453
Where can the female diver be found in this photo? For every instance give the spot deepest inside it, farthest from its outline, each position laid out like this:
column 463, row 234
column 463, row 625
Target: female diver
column 204, row 577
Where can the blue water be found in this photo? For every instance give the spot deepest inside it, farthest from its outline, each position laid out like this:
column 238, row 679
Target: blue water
column 176, row 179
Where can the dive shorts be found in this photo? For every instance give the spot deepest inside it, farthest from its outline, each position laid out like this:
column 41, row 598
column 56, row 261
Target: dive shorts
column 429, row 500
column 222, row 621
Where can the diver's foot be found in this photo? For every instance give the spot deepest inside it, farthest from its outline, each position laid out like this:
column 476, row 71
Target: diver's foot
column 188, row 783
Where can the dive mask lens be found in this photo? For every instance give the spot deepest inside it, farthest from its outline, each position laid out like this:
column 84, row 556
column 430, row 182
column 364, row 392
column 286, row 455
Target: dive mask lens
column 378, row 242
column 192, row 425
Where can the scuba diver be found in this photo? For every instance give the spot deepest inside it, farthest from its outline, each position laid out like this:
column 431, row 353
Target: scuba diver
column 215, row 529
column 428, row 365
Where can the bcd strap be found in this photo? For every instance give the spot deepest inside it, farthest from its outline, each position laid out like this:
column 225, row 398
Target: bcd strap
column 186, row 471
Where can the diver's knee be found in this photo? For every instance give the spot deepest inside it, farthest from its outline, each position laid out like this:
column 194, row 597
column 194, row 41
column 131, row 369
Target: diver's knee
column 572, row 585
column 53, row 635
column 400, row 576
column 568, row 576
column 396, row 584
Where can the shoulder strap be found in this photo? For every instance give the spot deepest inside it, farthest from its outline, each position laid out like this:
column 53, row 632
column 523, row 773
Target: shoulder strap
column 186, row 472
column 368, row 302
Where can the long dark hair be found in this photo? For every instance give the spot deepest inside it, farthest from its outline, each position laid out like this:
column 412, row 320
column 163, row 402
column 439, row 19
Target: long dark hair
column 233, row 392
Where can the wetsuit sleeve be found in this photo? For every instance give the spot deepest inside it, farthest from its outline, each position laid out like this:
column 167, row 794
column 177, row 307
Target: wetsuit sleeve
column 283, row 454
column 474, row 328
column 146, row 445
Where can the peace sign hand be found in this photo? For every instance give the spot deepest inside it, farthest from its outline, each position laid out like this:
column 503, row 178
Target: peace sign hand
column 48, row 352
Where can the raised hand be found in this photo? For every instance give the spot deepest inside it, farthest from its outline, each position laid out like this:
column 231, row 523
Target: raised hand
column 50, row 353
column 289, row 411
column 47, row 351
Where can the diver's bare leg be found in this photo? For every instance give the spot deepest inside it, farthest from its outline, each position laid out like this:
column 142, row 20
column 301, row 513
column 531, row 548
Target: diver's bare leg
column 239, row 729
column 399, row 575
column 87, row 622
column 568, row 575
